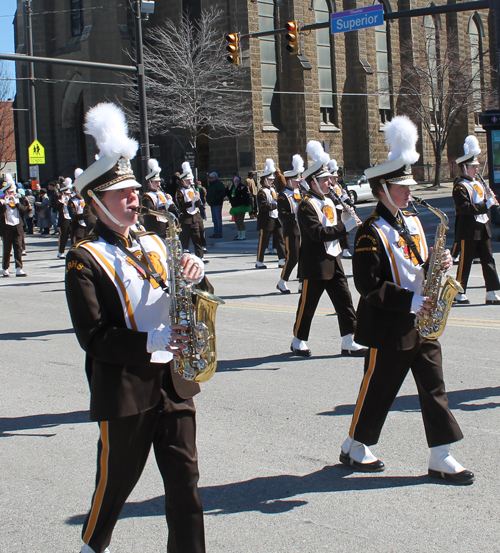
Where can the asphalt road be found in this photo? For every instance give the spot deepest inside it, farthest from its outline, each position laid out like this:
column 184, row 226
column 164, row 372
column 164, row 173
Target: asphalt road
column 270, row 426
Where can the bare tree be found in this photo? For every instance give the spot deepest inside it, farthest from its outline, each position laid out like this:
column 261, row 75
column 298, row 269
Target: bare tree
column 438, row 87
column 7, row 142
column 189, row 83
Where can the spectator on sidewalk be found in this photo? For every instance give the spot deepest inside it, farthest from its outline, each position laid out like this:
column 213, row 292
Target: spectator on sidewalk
column 215, row 198
column 252, row 188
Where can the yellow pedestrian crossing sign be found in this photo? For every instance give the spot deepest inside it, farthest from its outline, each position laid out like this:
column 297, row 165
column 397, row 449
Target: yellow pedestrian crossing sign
column 36, row 153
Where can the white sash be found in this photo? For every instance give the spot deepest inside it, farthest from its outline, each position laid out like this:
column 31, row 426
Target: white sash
column 145, row 305
column 293, row 200
column 190, row 196
column 476, row 195
column 327, row 215
column 271, row 199
column 405, row 269
column 12, row 216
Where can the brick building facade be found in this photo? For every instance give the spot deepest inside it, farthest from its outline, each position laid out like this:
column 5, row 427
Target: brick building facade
column 343, row 101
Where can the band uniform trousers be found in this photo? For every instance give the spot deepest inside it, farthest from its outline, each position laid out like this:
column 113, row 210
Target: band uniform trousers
column 482, row 249
column 193, row 231
column 123, row 449
column 338, row 292
column 278, row 242
column 292, row 247
column 64, row 233
column 385, row 371
column 12, row 238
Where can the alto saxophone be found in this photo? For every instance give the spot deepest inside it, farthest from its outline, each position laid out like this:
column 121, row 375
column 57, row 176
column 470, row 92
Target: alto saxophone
column 198, row 361
column 432, row 325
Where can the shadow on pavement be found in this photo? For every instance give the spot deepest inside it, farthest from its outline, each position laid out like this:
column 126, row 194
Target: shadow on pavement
column 8, row 426
column 36, row 335
column 458, row 399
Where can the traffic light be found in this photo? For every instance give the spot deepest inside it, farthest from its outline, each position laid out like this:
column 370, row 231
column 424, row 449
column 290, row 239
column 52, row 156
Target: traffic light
column 232, row 48
column 292, row 37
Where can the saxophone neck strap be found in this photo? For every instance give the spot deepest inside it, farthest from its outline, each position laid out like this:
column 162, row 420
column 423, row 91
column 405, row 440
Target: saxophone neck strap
column 399, row 225
column 144, row 267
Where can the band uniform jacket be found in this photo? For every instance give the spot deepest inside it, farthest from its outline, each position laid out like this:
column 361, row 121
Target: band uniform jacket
column 151, row 222
column 466, row 226
column 62, row 221
column 265, row 207
column 14, row 230
column 315, row 262
column 383, row 315
column 122, row 379
column 187, row 218
column 287, row 201
column 77, row 214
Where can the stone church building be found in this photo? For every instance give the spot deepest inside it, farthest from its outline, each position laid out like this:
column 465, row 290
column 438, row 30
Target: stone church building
column 341, row 91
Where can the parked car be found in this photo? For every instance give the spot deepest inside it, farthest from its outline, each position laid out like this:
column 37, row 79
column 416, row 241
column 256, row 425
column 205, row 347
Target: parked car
column 359, row 190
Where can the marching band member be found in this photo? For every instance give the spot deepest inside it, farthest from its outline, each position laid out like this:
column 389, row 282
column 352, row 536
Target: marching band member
column 119, row 305
column 472, row 202
column 189, row 203
column 64, row 220
column 288, row 203
column 388, row 265
column 267, row 217
column 11, row 227
column 76, row 208
column 156, row 200
column 320, row 267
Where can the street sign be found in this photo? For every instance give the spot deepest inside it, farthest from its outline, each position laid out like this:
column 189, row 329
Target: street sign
column 36, row 153
column 353, row 20
column 34, row 172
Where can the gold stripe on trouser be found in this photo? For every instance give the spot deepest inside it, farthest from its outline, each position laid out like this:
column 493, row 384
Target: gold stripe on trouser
column 103, row 480
column 461, row 262
column 364, row 389
column 260, row 246
column 302, row 304
column 287, row 257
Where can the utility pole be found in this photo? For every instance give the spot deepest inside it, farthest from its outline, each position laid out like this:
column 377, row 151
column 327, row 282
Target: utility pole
column 141, row 85
column 31, row 69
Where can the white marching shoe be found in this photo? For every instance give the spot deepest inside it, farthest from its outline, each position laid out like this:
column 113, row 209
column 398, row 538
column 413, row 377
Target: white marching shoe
column 443, row 465
column 281, row 263
column 462, row 298
column 300, row 347
column 282, row 287
column 492, row 297
column 357, row 455
column 346, row 254
column 5, row 273
column 350, row 347
column 260, row 265
column 20, row 273
column 87, row 549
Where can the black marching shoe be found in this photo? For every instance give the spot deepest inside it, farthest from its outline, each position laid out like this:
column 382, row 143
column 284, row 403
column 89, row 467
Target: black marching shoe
column 463, row 478
column 375, row 466
column 300, row 352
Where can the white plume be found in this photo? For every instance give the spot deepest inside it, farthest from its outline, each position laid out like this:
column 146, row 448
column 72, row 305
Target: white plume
column 154, row 166
column 9, row 180
column 107, row 124
column 298, row 163
column 78, row 172
column 186, row 168
column 332, row 166
column 270, row 167
column 471, row 146
column 67, row 182
column 402, row 135
column 316, row 152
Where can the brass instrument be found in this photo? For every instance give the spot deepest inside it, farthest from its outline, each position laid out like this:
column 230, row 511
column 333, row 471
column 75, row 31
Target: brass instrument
column 198, row 361
column 431, row 326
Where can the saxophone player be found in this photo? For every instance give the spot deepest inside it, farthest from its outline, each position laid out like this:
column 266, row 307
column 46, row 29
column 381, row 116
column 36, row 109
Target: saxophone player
column 390, row 251
column 119, row 304
column 472, row 201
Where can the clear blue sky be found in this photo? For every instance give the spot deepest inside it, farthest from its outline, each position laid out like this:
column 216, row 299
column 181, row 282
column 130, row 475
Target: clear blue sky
column 7, row 11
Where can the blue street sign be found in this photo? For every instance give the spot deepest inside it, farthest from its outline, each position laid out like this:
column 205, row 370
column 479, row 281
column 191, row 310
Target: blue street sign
column 361, row 18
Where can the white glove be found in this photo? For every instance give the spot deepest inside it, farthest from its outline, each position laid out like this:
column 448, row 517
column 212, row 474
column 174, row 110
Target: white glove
column 416, row 303
column 490, row 202
column 159, row 339
column 345, row 216
column 350, row 223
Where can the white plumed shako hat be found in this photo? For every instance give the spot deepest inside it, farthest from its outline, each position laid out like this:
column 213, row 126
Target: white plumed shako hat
column 154, row 170
column 269, row 169
column 320, row 158
column 402, row 135
column 298, row 168
column 471, row 151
